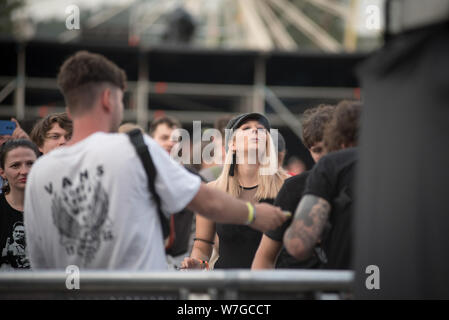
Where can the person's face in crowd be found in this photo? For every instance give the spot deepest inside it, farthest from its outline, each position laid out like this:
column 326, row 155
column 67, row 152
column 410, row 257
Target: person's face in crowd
column 19, row 234
column 296, row 167
column 163, row 136
column 250, row 136
column 116, row 99
column 18, row 163
column 54, row 138
column 317, row 151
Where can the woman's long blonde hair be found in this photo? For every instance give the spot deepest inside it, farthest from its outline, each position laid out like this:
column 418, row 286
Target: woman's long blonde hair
column 268, row 184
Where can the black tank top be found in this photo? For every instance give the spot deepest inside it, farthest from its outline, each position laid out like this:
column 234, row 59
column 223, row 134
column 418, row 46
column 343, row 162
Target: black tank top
column 238, row 243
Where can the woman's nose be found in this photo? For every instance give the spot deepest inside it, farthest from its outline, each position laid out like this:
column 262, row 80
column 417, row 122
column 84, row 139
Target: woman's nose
column 24, row 170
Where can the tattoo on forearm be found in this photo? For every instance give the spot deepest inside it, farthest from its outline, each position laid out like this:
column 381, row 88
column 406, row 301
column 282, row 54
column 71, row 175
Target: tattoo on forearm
column 308, row 223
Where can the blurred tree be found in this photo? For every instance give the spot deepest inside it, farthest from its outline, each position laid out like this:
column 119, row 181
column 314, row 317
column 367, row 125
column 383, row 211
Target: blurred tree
column 6, row 9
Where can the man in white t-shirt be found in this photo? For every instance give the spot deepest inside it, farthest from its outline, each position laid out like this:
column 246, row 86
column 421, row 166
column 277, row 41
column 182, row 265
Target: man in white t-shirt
column 88, row 204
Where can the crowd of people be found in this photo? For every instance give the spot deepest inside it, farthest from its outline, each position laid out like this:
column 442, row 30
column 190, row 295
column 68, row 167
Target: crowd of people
column 75, row 193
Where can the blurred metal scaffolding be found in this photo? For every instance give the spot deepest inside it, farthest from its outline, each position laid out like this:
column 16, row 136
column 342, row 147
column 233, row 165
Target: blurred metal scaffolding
column 249, row 94
column 244, row 24
column 259, row 27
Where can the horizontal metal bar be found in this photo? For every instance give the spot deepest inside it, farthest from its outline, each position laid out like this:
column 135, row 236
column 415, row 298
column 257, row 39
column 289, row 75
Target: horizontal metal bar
column 206, row 89
column 243, row 280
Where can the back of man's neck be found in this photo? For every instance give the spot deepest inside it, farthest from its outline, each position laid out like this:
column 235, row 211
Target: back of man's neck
column 84, row 127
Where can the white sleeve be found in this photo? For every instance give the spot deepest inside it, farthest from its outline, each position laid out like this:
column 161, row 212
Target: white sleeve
column 174, row 184
column 34, row 239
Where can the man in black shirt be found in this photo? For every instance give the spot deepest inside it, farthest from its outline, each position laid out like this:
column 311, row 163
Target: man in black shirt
column 271, row 251
column 288, row 199
column 323, row 218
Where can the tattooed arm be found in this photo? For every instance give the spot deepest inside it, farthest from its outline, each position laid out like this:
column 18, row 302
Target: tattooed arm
column 306, row 228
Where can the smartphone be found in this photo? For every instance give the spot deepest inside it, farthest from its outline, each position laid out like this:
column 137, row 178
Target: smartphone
column 7, row 127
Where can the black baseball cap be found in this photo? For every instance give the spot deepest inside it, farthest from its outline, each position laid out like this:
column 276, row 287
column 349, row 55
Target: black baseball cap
column 237, row 121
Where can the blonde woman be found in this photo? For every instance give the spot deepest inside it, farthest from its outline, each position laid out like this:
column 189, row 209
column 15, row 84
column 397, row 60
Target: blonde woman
column 250, row 173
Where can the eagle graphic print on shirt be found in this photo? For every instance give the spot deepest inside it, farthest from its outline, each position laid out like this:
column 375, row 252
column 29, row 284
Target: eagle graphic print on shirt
column 80, row 213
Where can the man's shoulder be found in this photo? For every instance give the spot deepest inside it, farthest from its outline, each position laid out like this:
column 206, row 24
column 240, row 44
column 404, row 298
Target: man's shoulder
column 291, row 191
column 297, row 180
column 97, row 145
column 344, row 154
column 338, row 160
column 99, row 142
column 105, row 140
column 330, row 169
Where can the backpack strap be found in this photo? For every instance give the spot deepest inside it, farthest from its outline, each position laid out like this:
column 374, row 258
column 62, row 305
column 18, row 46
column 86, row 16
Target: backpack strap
column 144, row 155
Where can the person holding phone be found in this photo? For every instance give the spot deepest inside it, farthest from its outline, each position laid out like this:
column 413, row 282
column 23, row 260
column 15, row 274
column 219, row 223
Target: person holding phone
column 11, row 129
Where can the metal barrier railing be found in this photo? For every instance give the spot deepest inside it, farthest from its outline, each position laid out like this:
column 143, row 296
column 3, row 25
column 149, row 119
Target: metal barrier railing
column 232, row 284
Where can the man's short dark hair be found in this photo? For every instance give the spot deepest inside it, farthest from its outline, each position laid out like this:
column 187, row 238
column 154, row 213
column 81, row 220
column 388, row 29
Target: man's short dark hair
column 343, row 129
column 314, row 120
column 169, row 121
column 40, row 129
column 83, row 75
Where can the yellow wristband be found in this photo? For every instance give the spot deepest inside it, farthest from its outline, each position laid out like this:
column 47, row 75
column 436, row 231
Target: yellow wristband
column 250, row 213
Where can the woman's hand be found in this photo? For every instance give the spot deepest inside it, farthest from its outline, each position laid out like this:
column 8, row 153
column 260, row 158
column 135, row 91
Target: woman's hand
column 193, row 263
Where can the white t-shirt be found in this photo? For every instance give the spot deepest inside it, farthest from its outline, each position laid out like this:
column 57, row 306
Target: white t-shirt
column 88, row 205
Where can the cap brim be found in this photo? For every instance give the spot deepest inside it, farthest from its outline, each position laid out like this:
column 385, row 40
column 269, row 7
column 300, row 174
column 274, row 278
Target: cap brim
column 252, row 116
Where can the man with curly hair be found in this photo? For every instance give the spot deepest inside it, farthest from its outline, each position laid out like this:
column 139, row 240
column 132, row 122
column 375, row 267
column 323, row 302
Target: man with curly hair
column 271, row 253
column 323, row 218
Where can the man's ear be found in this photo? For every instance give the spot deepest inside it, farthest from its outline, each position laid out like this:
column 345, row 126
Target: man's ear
column 2, row 173
column 105, row 100
column 69, row 115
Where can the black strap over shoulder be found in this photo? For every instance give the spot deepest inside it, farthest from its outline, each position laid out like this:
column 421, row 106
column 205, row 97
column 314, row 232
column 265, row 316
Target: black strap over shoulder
column 144, row 155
